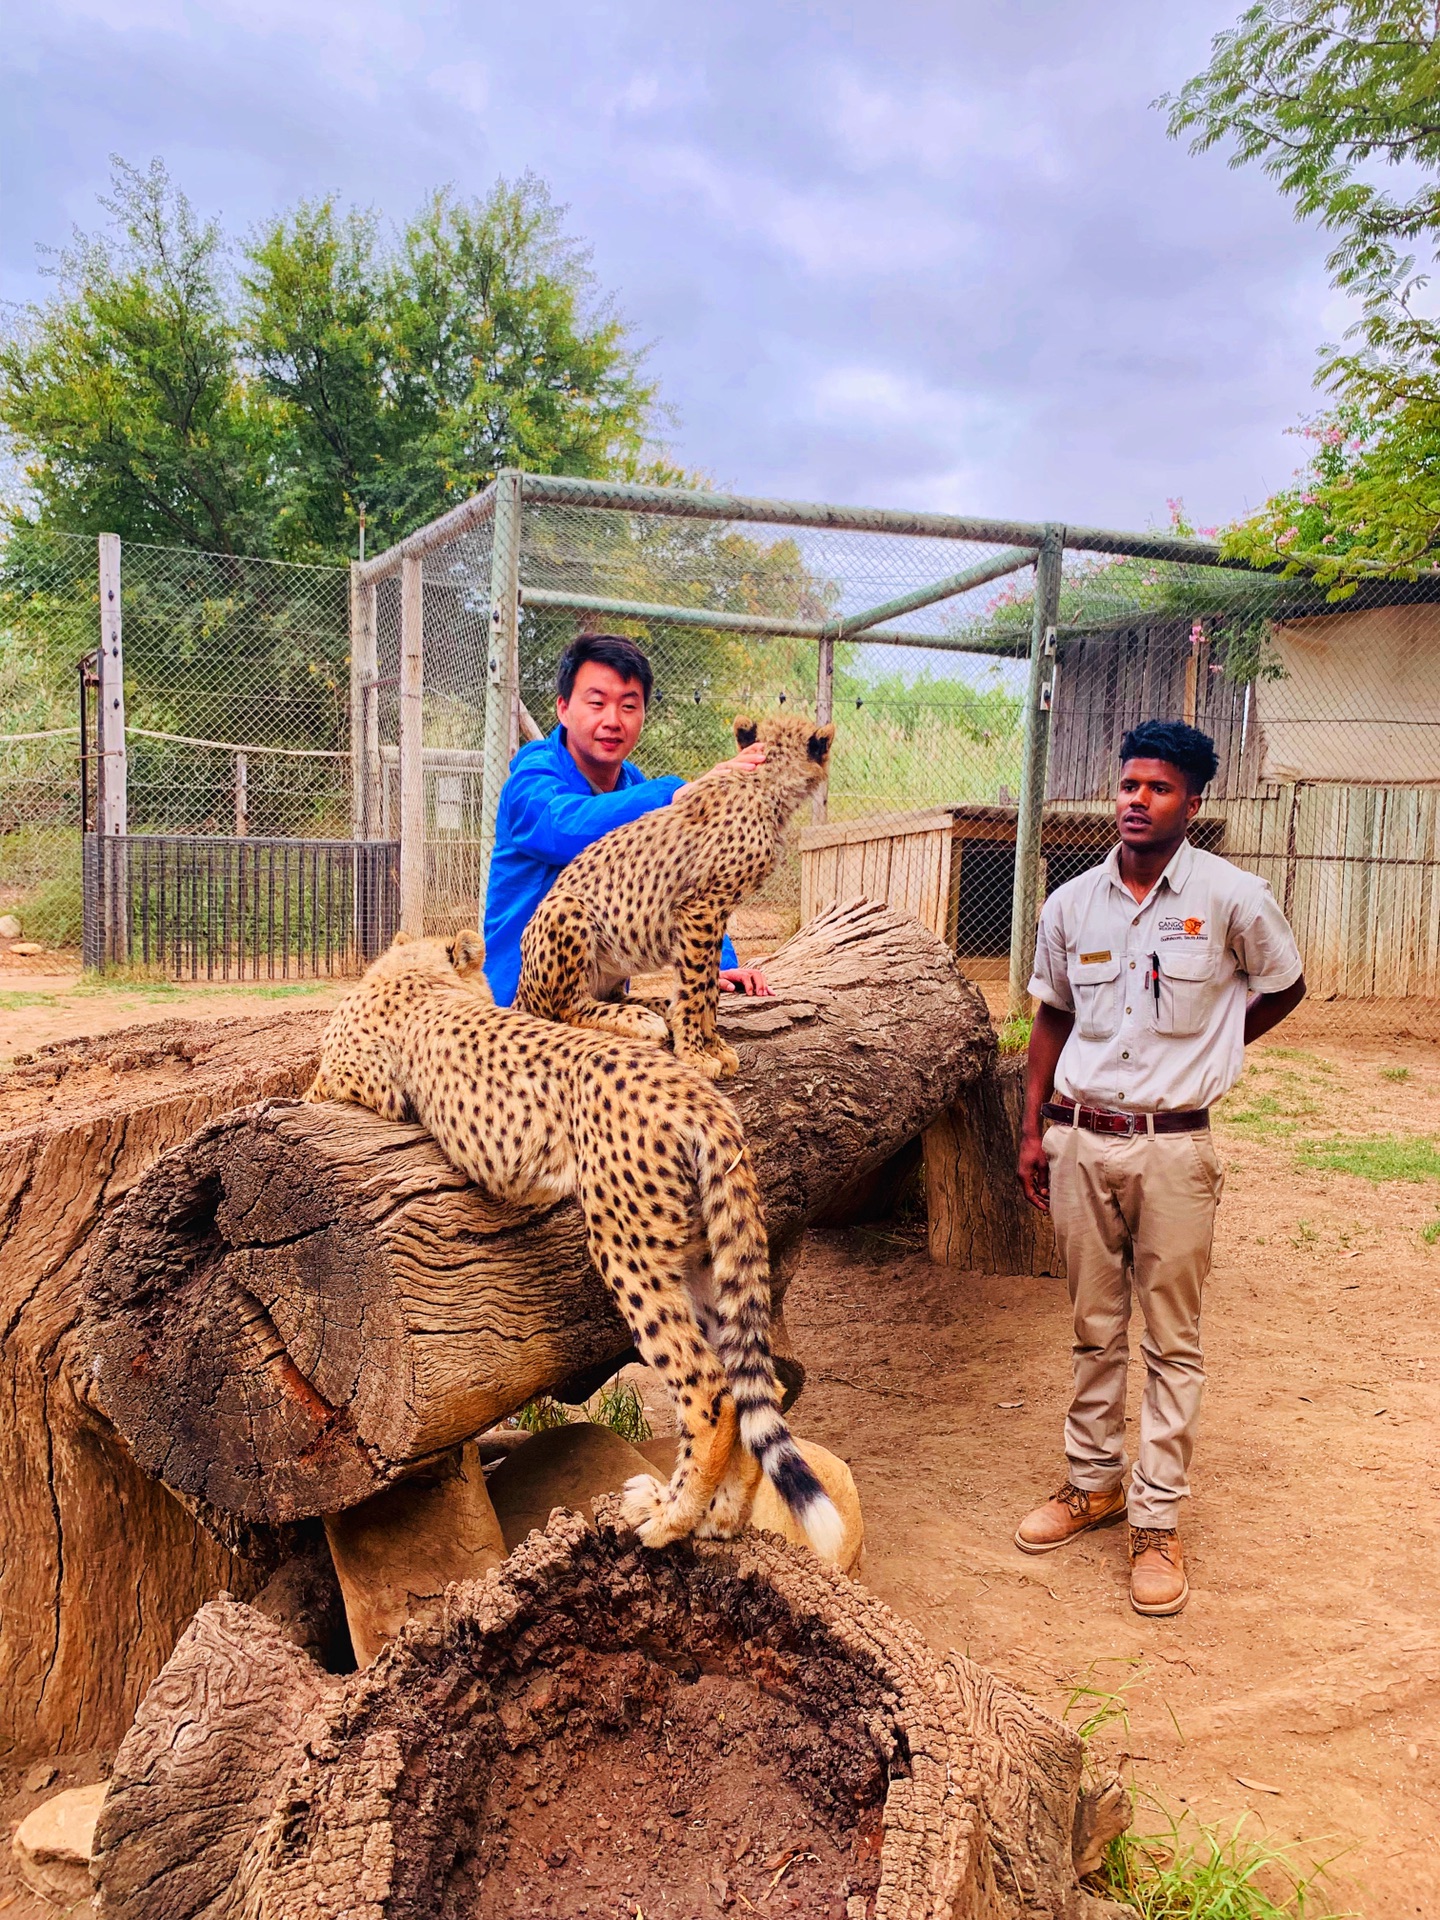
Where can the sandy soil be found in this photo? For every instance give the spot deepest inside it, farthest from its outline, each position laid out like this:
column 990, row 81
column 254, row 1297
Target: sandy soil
column 36, row 1009
column 1308, row 1660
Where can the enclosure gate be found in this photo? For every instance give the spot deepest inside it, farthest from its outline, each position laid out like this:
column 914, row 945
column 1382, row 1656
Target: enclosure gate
column 203, row 907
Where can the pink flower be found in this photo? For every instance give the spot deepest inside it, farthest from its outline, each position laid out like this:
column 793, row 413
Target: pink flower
column 1197, row 634
column 1290, row 535
column 1334, row 436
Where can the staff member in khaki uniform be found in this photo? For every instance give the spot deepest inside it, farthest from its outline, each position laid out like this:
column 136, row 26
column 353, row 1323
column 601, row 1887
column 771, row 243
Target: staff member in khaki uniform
column 1153, row 972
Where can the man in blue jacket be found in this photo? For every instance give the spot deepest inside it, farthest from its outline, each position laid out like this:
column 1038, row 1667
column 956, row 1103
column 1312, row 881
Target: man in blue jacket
column 573, row 786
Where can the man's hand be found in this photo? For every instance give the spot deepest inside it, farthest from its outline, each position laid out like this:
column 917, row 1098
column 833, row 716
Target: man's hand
column 745, row 980
column 1034, row 1170
column 746, row 761
column 1048, row 1034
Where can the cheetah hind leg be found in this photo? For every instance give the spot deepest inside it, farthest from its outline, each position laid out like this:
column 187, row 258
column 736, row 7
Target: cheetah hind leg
column 729, row 1509
column 662, row 1512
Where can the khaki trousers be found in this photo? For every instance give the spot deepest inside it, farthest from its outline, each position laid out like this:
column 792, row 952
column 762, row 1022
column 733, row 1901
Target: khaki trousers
column 1134, row 1211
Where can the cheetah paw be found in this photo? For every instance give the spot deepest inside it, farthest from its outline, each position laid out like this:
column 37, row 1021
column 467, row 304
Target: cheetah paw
column 726, row 1059
column 702, row 1062
column 647, row 1507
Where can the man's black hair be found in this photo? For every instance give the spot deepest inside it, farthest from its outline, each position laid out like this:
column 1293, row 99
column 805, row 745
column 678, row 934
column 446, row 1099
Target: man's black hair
column 611, row 650
column 1179, row 746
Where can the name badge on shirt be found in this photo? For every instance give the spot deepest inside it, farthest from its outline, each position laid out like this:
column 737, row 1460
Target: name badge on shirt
column 1090, row 959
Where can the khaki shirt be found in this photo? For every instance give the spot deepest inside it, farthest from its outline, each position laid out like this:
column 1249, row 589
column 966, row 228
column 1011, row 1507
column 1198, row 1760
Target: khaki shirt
column 1167, row 1040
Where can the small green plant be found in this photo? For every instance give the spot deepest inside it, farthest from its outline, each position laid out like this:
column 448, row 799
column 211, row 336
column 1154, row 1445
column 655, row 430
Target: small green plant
column 1100, row 1706
column 1394, row 1073
column 1304, row 1235
column 1376, row 1157
column 619, row 1407
column 1431, row 1233
column 1197, row 1872
column 542, row 1413
column 1013, row 1033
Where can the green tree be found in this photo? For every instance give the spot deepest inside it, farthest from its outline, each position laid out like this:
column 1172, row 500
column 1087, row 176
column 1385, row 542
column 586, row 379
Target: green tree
column 408, row 375
column 123, row 395
column 1339, row 102
column 167, row 397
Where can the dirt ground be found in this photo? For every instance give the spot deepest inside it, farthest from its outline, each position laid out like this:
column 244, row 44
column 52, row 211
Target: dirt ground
column 1308, row 1660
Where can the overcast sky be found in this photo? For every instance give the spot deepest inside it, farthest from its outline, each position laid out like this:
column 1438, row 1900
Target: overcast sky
column 909, row 254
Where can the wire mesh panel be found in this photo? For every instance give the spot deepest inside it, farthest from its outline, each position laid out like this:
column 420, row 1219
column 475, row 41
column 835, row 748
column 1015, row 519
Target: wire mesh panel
column 208, row 908
column 236, row 692
column 49, row 618
column 919, row 725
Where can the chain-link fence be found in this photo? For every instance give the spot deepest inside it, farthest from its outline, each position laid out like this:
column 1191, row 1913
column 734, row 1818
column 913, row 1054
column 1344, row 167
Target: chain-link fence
column 979, row 698
column 236, row 695
column 980, row 702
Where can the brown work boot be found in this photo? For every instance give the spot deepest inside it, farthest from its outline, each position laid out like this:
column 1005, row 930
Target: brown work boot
column 1067, row 1513
column 1157, row 1571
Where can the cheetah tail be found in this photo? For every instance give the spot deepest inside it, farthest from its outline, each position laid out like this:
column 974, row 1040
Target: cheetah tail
column 740, row 1269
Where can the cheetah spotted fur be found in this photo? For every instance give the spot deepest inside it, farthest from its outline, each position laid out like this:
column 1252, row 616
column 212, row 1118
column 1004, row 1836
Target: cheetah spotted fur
column 534, row 1112
column 660, row 890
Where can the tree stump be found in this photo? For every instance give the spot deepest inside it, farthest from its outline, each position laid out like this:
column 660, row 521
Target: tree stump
column 978, row 1218
column 555, row 1734
column 99, row 1568
column 303, row 1303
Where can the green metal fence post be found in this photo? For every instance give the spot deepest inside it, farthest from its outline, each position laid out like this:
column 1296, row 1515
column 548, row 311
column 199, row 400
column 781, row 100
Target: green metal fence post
column 1039, row 690
column 502, row 690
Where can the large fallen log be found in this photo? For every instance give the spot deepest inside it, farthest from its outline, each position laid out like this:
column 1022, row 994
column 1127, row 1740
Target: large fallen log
column 303, row 1303
column 594, row 1721
column 99, row 1567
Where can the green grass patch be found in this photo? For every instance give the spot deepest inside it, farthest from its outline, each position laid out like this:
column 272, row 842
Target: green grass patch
column 1300, row 1057
column 1266, row 1113
column 1377, row 1157
column 1394, row 1073
column 1013, row 1033
column 617, row 1406
column 1190, row 1871
column 1431, row 1233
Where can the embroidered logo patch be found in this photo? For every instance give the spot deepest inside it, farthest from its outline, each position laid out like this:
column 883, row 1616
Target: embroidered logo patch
column 1194, row 928
column 1089, row 959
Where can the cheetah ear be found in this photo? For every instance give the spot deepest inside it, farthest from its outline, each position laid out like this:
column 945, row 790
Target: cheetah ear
column 746, row 731
column 402, row 938
column 819, row 744
column 467, row 951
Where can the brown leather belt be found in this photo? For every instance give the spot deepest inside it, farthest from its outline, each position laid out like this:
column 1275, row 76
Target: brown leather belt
column 1101, row 1120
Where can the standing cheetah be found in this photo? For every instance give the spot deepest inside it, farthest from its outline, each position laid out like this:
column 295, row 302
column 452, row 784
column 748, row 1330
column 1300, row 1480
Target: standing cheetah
column 661, row 889
column 535, row 1112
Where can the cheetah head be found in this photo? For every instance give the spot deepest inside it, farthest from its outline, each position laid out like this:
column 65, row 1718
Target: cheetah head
column 458, row 961
column 797, row 751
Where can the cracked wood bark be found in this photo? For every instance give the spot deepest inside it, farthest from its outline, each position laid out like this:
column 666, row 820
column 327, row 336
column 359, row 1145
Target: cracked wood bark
column 301, row 1303
column 371, row 1796
column 99, row 1567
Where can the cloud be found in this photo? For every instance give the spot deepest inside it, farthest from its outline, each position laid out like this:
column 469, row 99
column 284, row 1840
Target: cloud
column 466, row 82
column 914, row 254
column 825, row 230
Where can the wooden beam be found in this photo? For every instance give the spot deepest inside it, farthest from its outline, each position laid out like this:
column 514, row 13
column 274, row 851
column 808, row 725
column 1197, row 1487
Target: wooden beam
column 412, row 745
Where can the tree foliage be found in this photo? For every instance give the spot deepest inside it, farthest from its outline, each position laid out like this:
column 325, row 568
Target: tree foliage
column 184, row 390
column 1339, row 102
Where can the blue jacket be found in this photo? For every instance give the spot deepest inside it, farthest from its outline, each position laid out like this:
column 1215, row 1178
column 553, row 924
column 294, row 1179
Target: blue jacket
column 547, row 815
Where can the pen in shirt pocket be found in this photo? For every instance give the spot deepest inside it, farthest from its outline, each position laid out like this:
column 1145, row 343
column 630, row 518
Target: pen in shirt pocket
column 1155, row 981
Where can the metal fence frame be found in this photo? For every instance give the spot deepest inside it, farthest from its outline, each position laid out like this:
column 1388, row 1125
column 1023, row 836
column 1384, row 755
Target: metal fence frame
column 1023, row 544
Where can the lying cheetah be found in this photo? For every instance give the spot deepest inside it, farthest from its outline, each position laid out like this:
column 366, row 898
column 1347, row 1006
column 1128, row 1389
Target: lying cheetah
column 660, row 890
column 535, row 1112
